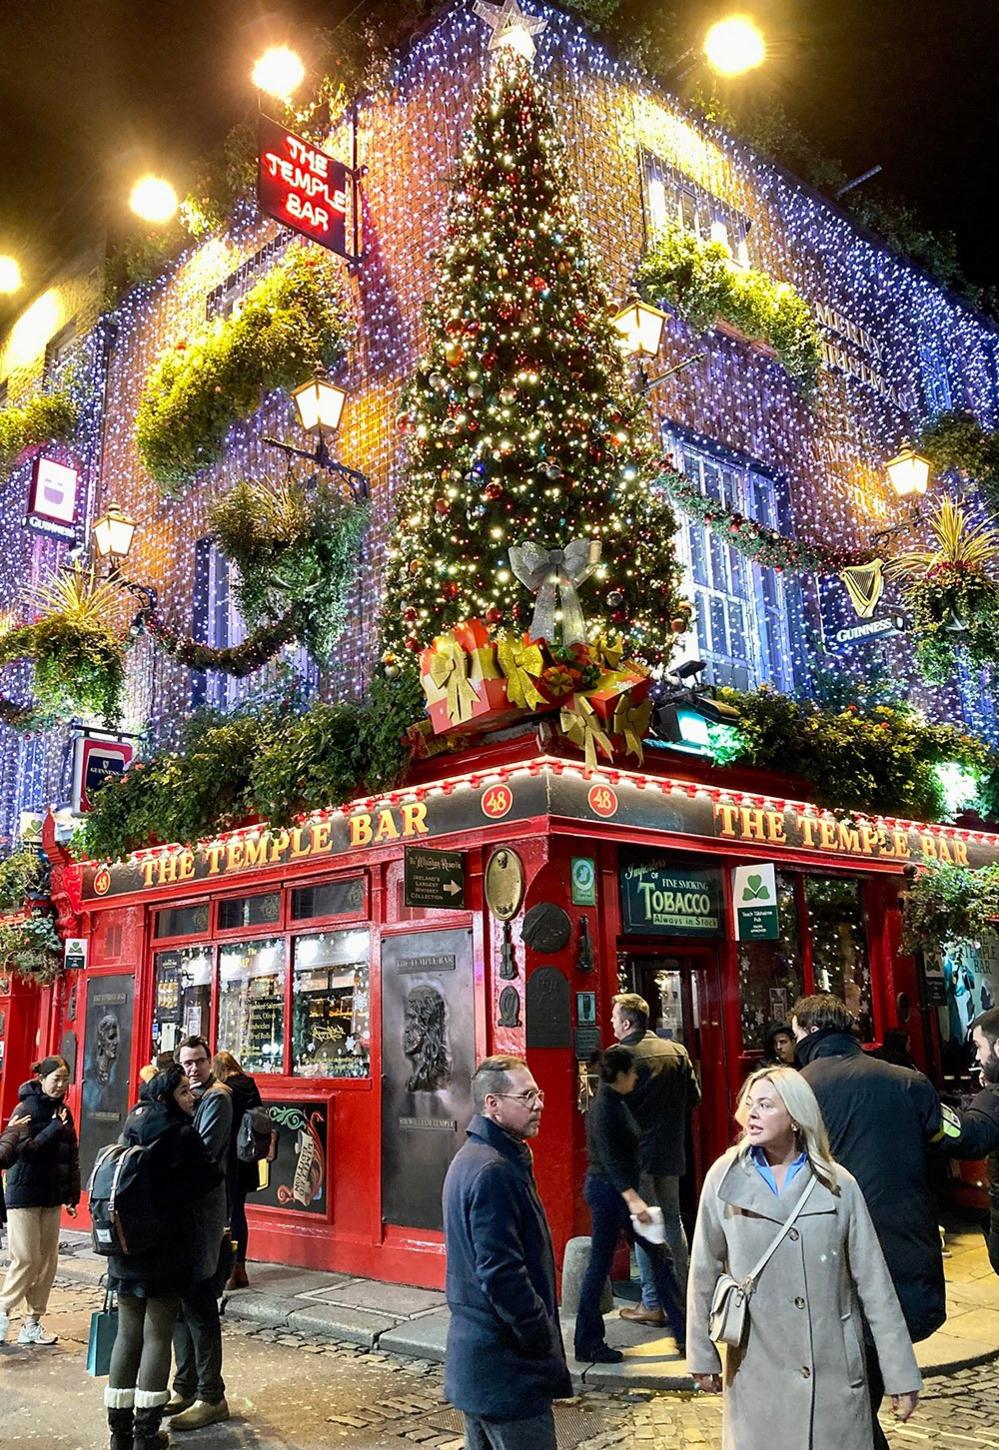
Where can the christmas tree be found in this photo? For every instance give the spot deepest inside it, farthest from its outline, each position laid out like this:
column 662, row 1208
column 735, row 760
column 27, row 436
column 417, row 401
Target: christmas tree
column 522, row 425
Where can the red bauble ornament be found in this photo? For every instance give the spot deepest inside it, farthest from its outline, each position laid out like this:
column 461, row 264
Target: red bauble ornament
column 493, row 491
column 450, row 589
column 412, row 644
column 409, row 615
column 489, row 360
column 494, row 615
column 442, row 506
column 539, row 284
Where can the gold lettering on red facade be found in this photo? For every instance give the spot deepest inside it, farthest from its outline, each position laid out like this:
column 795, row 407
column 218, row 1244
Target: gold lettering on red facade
column 360, row 830
column 727, row 815
column 185, row 865
column 213, row 855
column 414, row 819
column 321, row 835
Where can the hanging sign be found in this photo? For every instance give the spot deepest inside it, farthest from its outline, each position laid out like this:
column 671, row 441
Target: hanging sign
column 755, row 897
column 434, row 878
column 52, row 499
column 584, row 881
column 304, row 188
column 659, row 897
column 842, row 625
column 75, row 953
column 95, row 757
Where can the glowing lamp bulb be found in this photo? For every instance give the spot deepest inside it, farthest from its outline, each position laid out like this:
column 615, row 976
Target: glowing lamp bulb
column 10, row 275
column 153, row 199
column 908, row 472
column 734, row 45
column 319, row 403
column 279, row 72
column 640, row 327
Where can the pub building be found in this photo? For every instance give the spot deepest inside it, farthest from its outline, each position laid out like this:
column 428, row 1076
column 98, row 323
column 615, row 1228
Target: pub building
column 556, row 885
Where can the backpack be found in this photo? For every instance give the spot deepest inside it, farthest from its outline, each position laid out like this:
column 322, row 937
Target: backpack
column 124, row 1212
column 256, row 1140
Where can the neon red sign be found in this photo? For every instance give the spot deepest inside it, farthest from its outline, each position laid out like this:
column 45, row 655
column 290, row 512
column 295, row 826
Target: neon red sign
column 303, row 188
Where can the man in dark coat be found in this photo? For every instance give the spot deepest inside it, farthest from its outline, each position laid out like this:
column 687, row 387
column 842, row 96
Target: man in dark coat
column 665, row 1095
column 880, row 1119
column 505, row 1360
column 980, row 1122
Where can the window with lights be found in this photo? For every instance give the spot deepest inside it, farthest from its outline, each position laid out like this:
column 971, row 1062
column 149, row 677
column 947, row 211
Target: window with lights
column 741, row 609
column 670, row 196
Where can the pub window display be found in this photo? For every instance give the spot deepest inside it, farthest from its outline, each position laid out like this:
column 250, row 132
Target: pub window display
column 183, row 996
column 839, row 945
column 770, row 975
column 331, row 1014
column 251, row 1003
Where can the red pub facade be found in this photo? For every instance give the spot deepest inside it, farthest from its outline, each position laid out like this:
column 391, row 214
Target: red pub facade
column 362, row 1017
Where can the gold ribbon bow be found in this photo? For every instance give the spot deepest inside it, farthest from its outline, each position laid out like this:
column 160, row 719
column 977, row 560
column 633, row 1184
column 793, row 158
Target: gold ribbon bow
column 449, row 672
column 609, row 650
column 519, row 662
column 580, row 723
column 632, row 722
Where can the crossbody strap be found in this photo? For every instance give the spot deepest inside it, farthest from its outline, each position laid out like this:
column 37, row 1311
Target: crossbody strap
column 749, row 1283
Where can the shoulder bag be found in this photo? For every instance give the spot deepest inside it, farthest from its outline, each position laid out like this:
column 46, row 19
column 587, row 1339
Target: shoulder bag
column 728, row 1317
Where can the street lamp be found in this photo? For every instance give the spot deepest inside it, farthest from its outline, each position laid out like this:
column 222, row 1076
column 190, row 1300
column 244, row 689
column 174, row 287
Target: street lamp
column 153, row 200
column 908, row 472
column 279, row 72
column 319, row 404
column 113, row 533
column 734, row 46
column 641, row 333
column 10, row 274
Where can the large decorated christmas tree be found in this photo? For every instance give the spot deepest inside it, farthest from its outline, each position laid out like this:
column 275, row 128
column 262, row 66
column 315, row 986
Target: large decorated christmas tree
column 524, row 434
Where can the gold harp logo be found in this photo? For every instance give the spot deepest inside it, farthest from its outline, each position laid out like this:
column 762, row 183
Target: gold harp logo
column 865, row 585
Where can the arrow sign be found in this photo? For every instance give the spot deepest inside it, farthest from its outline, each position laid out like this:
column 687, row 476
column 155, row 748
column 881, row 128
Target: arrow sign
column 434, row 878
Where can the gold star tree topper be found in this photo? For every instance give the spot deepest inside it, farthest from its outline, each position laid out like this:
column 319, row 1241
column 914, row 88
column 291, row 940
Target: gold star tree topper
column 510, row 26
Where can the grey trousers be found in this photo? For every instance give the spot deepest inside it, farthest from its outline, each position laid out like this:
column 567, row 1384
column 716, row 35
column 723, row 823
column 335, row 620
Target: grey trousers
column 663, row 1189
column 535, row 1433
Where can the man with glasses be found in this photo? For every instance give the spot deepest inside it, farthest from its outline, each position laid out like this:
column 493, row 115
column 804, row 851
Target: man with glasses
column 505, row 1361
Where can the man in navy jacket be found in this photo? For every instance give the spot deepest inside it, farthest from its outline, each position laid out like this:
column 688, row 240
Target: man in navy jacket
column 505, row 1361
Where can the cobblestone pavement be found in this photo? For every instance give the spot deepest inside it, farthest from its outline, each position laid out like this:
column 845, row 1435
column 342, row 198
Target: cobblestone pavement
column 292, row 1392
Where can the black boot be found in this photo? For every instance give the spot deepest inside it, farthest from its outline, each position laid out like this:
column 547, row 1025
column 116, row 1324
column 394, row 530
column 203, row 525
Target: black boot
column 146, row 1432
column 120, row 1425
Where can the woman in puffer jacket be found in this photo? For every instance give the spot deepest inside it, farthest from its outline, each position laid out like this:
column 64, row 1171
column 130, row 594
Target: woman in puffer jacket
column 44, row 1176
column 150, row 1285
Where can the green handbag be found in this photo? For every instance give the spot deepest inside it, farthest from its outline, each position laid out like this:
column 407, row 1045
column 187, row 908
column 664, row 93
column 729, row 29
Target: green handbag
column 103, row 1329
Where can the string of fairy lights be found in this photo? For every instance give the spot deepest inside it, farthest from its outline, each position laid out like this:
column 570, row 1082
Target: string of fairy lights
column 829, row 454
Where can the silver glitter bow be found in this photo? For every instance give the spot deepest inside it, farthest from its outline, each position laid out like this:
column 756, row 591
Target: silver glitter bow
column 554, row 575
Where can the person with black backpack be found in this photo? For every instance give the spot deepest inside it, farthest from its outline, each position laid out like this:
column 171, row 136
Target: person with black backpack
column 166, row 1171
column 243, row 1177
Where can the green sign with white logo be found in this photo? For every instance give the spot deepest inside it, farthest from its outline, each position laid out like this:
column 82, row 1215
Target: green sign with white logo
column 755, row 897
column 661, row 899
column 584, row 881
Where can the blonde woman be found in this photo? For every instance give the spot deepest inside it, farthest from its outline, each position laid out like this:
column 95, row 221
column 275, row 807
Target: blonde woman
column 797, row 1382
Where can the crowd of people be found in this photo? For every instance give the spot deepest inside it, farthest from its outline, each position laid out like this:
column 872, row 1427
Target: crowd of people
column 815, row 1264
column 816, row 1261
column 190, row 1109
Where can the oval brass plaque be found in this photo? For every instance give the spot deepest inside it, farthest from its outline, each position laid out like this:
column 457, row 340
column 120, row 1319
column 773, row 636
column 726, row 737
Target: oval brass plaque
column 504, row 883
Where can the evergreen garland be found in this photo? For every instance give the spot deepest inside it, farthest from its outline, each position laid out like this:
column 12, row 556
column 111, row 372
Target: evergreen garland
column 295, row 317
column 955, row 442
column 45, row 418
column 948, row 904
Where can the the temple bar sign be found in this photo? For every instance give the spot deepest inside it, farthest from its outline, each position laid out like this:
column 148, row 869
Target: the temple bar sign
column 659, row 896
column 304, row 188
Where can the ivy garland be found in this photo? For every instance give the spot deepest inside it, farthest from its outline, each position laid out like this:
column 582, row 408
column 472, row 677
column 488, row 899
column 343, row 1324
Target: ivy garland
column 766, row 547
column 31, row 947
column 45, row 418
column 295, row 317
column 238, row 660
column 700, row 282
column 879, row 763
column 955, row 442
column 269, row 764
column 950, row 904
column 20, row 873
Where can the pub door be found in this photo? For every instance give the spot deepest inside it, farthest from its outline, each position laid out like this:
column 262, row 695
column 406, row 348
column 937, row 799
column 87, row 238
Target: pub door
column 682, row 988
column 428, row 1052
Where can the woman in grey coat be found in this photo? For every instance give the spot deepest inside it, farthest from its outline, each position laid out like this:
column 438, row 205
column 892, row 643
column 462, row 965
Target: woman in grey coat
column 797, row 1382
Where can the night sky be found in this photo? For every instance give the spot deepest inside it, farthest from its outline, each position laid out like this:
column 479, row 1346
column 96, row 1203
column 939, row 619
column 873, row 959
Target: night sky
column 93, row 92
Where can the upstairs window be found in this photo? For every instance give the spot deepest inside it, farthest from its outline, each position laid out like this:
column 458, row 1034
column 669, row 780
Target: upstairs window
column 59, row 347
column 741, row 609
column 226, row 299
column 671, row 197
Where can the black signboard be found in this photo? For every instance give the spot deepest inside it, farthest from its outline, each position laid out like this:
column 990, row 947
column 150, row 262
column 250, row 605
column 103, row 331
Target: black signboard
column 298, row 1177
column 663, row 899
column 107, row 1051
column 434, row 878
column 304, row 188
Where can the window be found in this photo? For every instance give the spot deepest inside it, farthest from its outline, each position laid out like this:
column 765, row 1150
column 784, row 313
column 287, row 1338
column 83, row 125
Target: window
column 240, row 911
column 58, row 348
column 251, row 1003
column 936, row 378
column 670, row 196
column 770, row 976
column 332, row 1025
column 224, row 300
column 183, row 995
column 740, row 608
column 182, row 920
column 332, row 898
column 840, row 963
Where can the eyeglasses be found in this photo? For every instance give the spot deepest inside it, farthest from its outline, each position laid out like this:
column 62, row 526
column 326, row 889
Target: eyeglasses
column 529, row 1099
